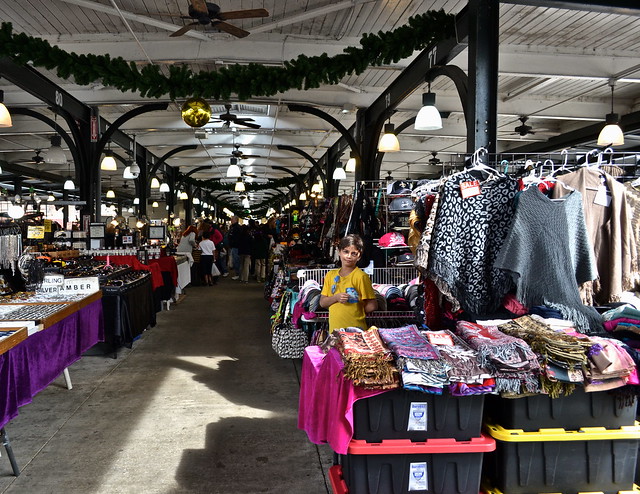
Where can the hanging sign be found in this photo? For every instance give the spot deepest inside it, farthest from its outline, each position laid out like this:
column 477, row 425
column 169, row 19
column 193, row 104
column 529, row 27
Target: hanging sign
column 94, row 128
column 35, row 232
column 47, row 226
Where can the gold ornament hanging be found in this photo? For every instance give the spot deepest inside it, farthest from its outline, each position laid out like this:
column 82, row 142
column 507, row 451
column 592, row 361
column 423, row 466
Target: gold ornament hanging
column 196, row 112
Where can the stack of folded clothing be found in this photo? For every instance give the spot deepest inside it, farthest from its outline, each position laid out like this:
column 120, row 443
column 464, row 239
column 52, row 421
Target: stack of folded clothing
column 367, row 362
column 466, row 377
column 610, row 366
column 416, row 358
column 307, row 303
column 624, row 321
column 563, row 357
column 509, row 359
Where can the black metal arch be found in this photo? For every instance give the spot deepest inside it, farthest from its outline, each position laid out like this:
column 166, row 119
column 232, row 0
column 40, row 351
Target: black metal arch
column 314, row 164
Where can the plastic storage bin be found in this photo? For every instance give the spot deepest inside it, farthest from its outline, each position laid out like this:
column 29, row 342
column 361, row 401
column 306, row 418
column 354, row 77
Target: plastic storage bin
column 490, row 490
column 591, row 459
column 579, row 409
column 398, row 466
column 401, row 414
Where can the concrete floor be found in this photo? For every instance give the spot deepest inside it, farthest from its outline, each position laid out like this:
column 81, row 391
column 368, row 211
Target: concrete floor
column 201, row 404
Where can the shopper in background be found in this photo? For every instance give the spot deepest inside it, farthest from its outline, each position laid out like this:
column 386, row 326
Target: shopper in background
column 347, row 291
column 234, row 238
column 187, row 243
column 244, row 252
column 207, row 247
column 260, row 251
column 217, row 237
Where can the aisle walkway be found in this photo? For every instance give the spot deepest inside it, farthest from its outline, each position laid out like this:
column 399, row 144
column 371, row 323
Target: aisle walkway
column 201, row 404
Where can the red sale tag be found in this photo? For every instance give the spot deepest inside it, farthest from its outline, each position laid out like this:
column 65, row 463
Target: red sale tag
column 470, row 189
column 441, row 339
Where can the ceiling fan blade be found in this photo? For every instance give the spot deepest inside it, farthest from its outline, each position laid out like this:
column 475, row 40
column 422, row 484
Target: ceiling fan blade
column 200, row 6
column 247, row 124
column 243, row 14
column 184, row 29
column 250, row 175
column 244, row 119
column 231, row 29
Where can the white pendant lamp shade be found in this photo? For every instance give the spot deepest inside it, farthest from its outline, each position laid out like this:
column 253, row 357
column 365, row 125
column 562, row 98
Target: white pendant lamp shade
column 184, row 196
column 428, row 117
column 68, row 184
column 5, row 116
column 154, row 204
column 389, row 141
column 15, row 211
column 196, row 200
column 240, row 186
column 350, row 167
column 164, row 187
column 110, row 194
column 234, row 170
column 108, row 163
column 303, row 196
column 245, row 203
column 126, row 174
column 155, row 183
column 136, row 200
column 55, row 155
column 339, row 173
column 611, row 134
column 51, row 198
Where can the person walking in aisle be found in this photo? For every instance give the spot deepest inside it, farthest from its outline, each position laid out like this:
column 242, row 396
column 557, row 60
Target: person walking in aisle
column 260, row 252
column 347, row 291
column 207, row 247
column 244, row 252
column 234, row 237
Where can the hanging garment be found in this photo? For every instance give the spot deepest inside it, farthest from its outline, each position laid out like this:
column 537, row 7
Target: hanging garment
column 548, row 254
column 431, row 203
column 633, row 199
column 467, row 236
column 610, row 229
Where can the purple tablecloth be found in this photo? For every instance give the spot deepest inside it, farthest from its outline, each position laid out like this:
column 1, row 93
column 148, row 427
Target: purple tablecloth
column 34, row 363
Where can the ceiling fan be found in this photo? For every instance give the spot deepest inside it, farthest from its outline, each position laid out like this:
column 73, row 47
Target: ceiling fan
column 236, row 153
column 523, row 129
column 34, row 160
column 205, row 13
column 435, row 160
column 229, row 118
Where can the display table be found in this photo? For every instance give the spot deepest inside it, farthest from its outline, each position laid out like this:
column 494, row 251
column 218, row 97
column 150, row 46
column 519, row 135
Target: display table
column 154, row 269
column 34, row 363
column 326, row 399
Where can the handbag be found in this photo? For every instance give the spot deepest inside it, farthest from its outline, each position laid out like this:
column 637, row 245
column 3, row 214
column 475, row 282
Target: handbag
column 214, row 270
column 288, row 342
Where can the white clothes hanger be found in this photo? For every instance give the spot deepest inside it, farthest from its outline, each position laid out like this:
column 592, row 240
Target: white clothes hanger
column 479, row 165
column 564, row 167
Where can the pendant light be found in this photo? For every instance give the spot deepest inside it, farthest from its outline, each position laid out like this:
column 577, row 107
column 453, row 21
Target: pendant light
column 68, row 184
column 5, row 116
column 133, row 167
column 196, row 201
column 428, row 118
column 108, row 163
column 55, row 155
column 234, row 170
column 339, row 173
column 240, row 186
column 183, row 195
column 303, row 196
column 111, row 194
column 611, row 134
column 136, row 200
column 126, row 174
column 351, row 163
column 154, row 204
column 164, row 187
column 51, row 198
column 389, row 141
column 155, row 183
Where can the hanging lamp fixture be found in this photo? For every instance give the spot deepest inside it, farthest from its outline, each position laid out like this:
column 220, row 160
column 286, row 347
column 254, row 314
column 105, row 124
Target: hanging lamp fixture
column 5, row 116
column 611, row 134
column 389, row 142
column 428, row 118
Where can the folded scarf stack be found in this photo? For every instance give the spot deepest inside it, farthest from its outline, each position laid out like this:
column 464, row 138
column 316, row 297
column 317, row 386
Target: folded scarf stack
column 610, row 366
column 509, row 359
column 465, row 376
column 367, row 362
column 563, row 358
column 624, row 322
column 416, row 359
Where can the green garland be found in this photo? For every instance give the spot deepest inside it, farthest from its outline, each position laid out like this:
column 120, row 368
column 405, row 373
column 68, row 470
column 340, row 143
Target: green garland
column 245, row 81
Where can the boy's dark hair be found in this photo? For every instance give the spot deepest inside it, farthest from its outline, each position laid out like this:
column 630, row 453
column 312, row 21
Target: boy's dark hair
column 206, row 235
column 351, row 240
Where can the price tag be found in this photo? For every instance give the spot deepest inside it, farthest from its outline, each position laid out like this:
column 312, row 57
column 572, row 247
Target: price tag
column 575, row 376
column 418, row 476
column 442, row 339
column 602, row 198
column 470, row 189
column 35, row 232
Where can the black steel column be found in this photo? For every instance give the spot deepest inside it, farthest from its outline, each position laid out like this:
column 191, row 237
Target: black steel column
column 483, row 74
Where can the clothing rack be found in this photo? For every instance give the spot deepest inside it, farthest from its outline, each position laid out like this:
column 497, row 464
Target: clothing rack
column 382, row 276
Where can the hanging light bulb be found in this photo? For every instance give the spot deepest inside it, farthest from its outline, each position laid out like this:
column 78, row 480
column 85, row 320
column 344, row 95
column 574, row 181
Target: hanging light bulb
column 5, row 116
column 164, row 187
column 196, row 201
column 389, row 141
column 68, row 184
column 155, row 183
column 154, row 204
column 183, row 196
column 110, row 194
column 351, row 163
column 303, row 196
column 428, row 118
column 108, row 163
column 234, row 170
column 55, row 155
column 136, row 200
column 611, row 134
column 239, row 186
column 339, row 173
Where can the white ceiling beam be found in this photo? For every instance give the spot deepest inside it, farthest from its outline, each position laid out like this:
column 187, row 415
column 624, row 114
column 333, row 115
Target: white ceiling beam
column 309, row 14
column 135, row 17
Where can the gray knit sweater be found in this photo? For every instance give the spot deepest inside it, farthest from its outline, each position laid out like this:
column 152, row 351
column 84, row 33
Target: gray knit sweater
column 548, row 254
